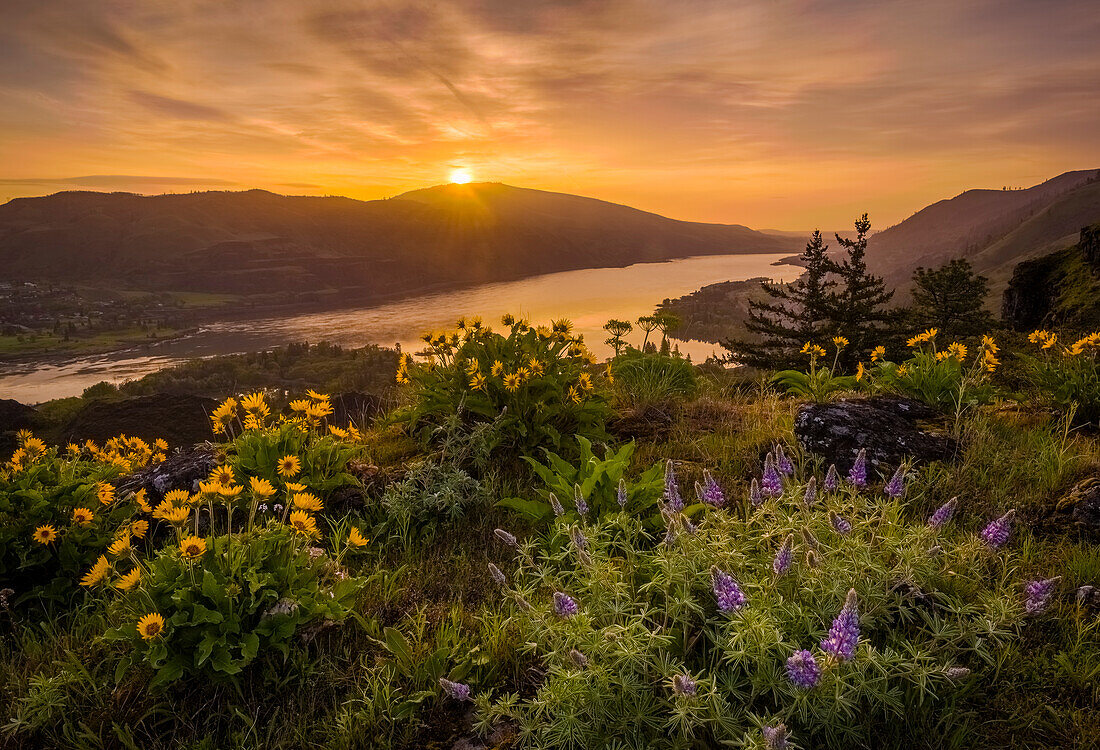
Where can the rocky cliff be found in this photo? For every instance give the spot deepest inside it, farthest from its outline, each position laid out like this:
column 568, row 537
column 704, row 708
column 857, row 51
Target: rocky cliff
column 1059, row 289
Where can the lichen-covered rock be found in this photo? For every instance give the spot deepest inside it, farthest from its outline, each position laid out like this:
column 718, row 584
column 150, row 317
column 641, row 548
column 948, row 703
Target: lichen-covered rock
column 887, row 426
column 181, row 470
column 1080, row 506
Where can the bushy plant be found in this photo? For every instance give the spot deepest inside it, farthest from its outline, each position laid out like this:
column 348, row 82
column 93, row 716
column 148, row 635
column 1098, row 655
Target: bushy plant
column 1067, row 376
column 535, row 382
column 827, row 614
column 642, row 379
column 819, row 383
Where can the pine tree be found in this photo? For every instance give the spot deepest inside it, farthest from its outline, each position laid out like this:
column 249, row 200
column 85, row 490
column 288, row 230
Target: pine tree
column 792, row 314
column 951, row 298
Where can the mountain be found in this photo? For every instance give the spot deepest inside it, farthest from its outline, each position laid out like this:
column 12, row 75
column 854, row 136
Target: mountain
column 993, row 229
column 256, row 242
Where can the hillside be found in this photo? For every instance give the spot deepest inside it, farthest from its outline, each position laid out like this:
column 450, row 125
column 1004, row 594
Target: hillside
column 257, row 242
column 1059, row 289
column 994, row 229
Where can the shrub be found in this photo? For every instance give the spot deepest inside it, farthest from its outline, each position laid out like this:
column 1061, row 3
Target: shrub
column 643, row 379
column 1069, row 378
column 534, row 382
column 836, row 618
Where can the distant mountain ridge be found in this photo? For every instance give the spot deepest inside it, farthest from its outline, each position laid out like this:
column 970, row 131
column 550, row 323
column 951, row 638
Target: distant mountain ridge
column 255, row 242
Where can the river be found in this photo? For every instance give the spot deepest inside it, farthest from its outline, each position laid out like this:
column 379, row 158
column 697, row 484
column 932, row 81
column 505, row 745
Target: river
column 589, row 297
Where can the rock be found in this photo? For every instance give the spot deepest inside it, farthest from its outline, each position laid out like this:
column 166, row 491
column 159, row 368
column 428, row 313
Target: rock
column 14, row 416
column 1080, row 506
column 1059, row 289
column 178, row 419
column 887, row 426
column 182, row 470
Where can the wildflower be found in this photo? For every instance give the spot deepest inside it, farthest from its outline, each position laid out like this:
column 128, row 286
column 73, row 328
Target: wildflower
column 455, row 690
column 710, row 493
column 786, row 468
column 581, row 545
column 106, row 493
column 229, row 490
column 998, row 531
column 307, row 501
column 812, row 559
column 496, row 369
column 45, row 534
column 841, row 525
column 809, row 538
column 957, row 350
column 129, row 580
column 620, row 494
column 303, row 523
column 289, row 466
column 97, row 573
column 775, row 738
column 673, row 501
column 139, row 529
column 574, row 394
column 120, row 545
column 260, row 487
column 956, row 674
column 177, row 497
column 783, row 558
column 1038, row 595
column 729, row 595
column 555, row 505
column 497, row 574
column 507, row 538
column 578, row 500
column 810, row 494
column 772, row 481
column 142, row 501
column 173, row 515
column 844, row 635
column 858, row 474
column 813, row 350
column 300, row 405
column 859, row 372
column 943, row 514
column 840, row 342
column 802, row 670
column 756, row 497
column 879, row 352
column 578, row 658
column 150, row 626
column 682, row 684
column 564, row 606
column 356, row 538
column 254, row 403
column 192, row 548
column 478, row 382
column 512, row 382
column 895, row 488
column 82, row 516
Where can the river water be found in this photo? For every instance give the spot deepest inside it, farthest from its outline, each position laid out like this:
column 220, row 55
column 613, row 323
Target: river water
column 589, row 297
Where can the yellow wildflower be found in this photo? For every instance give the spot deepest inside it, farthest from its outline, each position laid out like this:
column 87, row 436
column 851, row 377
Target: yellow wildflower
column 223, row 475
column 192, row 548
column 150, row 626
column 879, row 352
column 512, row 382
column 139, row 528
column 45, row 534
column 317, row 396
column 356, row 539
column 496, row 369
column 120, row 545
column 859, row 372
column 129, row 580
column 82, row 516
column 289, row 466
column 307, row 501
column 840, row 342
column 106, row 493
column 260, row 487
column 303, row 523
column 97, row 573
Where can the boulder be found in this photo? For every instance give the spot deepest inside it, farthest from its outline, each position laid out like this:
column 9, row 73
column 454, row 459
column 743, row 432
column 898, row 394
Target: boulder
column 1080, row 507
column 182, row 470
column 889, row 427
column 178, row 419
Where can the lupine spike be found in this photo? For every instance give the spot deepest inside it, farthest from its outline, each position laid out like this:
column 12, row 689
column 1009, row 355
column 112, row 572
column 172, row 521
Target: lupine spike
column 841, row 525
column 858, row 474
column 711, row 493
column 812, row 559
column 564, row 605
column 581, row 544
column 578, row 500
column 756, row 497
column 895, row 488
column 810, row 495
column 682, row 684
column 1038, row 595
column 843, row 636
column 497, row 574
column 784, row 557
column 456, row 690
column 507, row 538
column 810, row 540
column 802, row 670
column 772, row 481
column 956, row 674
column 578, row 658
column 832, row 479
column 776, row 737
column 621, row 494
column 943, row 514
column 997, row 532
column 729, row 595
column 556, row 505
column 786, row 468
column 672, row 488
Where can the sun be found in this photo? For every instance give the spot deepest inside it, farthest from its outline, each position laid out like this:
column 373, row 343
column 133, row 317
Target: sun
column 460, row 176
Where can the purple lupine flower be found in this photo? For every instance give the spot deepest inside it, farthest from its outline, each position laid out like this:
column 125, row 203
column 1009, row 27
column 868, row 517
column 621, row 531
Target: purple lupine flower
column 730, row 596
column 895, row 488
column 812, row 558
column 507, row 538
column 844, row 635
column 810, row 540
column 578, row 658
column 577, row 536
column 802, row 670
column 556, row 505
column 775, row 738
column 456, row 690
column 564, row 606
column 673, row 501
column 1038, row 595
column 497, row 574
column 832, row 479
column 810, row 493
column 578, row 500
column 998, row 531
column 943, row 513
column 620, row 495
column 955, row 674
column 840, row 524
column 786, row 468
column 682, row 684
column 772, row 481
column 784, row 557
column 858, row 474
column 689, row 527
column 711, row 493
column 756, row 498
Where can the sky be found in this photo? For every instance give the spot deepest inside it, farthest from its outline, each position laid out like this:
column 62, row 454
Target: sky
column 781, row 114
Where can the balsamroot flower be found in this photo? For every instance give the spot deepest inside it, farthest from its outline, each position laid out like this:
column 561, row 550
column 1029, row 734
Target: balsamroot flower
column 620, row 494
column 858, row 474
column 771, row 482
column 673, row 501
column 810, row 494
column 1038, row 595
column 455, row 690
column 802, row 670
column 682, row 684
column 786, row 468
column 756, row 497
column 710, row 493
column 775, row 738
column 578, row 500
column 841, row 525
column 497, row 574
column 998, row 531
column 943, row 513
column 555, row 504
column 783, row 558
column 507, row 538
column 564, row 606
column 895, row 488
column 832, row 479
column 729, row 595
column 844, row 635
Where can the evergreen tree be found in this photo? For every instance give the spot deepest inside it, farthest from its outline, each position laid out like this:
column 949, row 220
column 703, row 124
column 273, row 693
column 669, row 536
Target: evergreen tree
column 951, row 298
column 791, row 315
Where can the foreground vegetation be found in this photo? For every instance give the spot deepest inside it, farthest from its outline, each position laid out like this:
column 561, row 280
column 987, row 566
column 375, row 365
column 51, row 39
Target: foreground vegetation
column 539, row 549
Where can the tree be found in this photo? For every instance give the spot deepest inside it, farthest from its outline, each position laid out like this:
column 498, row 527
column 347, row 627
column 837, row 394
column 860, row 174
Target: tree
column 859, row 309
column 647, row 323
column 792, row 314
column 666, row 323
column 951, row 298
column 619, row 329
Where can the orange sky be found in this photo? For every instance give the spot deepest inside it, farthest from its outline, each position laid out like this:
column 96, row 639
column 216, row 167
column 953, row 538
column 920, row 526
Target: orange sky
column 780, row 114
